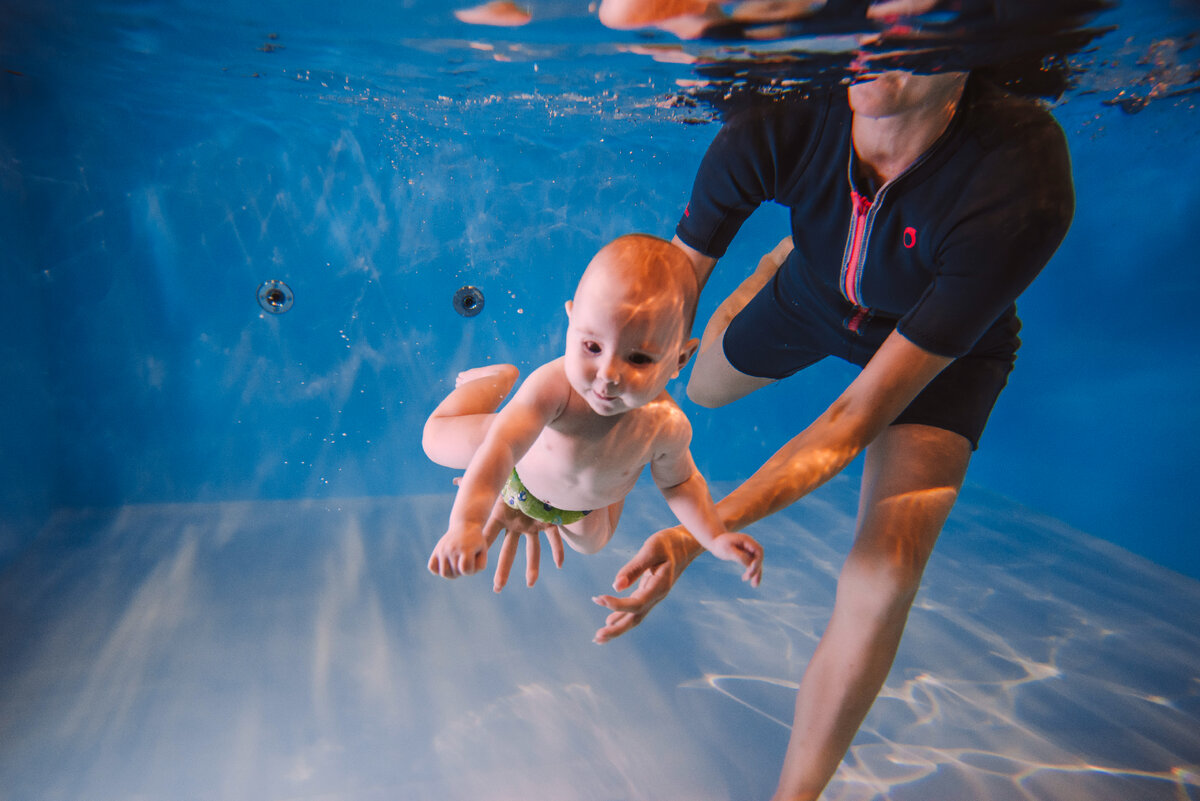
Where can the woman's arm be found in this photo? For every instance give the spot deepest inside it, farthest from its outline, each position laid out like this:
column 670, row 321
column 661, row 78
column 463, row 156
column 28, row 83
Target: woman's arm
column 703, row 265
column 894, row 376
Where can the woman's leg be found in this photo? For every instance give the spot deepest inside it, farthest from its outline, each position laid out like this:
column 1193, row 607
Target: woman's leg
column 714, row 381
column 911, row 478
column 460, row 422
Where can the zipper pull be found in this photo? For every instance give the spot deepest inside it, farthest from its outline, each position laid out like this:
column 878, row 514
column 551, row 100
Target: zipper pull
column 857, row 320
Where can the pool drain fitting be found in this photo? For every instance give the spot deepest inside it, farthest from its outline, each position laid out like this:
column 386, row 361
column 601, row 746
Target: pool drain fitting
column 275, row 296
column 468, row 301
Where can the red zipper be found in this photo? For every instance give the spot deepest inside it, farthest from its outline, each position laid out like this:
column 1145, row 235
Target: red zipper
column 853, row 267
column 858, row 231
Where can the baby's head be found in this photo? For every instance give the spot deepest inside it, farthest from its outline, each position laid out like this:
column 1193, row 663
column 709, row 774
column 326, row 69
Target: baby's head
column 630, row 323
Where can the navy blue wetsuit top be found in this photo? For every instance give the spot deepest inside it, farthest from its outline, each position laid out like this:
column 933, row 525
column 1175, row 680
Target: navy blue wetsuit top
column 941, row 252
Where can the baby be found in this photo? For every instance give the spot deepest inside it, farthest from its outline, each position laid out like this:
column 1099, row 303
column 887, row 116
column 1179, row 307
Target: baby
column 570, row 445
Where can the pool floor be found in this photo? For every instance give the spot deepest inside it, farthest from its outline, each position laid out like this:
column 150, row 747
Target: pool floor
column 274, row 650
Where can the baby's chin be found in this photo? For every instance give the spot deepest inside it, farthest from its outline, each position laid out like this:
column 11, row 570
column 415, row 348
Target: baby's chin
column 605, row 407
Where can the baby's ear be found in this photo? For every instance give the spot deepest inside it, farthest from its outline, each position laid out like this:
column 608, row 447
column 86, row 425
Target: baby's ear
column 568, row 307
column 686, row 352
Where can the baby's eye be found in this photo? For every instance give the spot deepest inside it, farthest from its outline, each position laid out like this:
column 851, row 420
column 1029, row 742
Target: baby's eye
column 641, row 359
column 591, row 347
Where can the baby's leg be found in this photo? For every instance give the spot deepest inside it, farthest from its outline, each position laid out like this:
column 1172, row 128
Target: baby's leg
column 593, row 532
column 458, row 425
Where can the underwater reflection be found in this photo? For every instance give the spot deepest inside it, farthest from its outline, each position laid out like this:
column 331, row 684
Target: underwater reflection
column 780, row 19
column 502, row 13
column 739, row 61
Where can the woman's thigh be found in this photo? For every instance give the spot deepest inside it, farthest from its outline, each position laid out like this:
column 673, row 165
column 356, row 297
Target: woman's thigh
column 715, row 382
column 911, row 478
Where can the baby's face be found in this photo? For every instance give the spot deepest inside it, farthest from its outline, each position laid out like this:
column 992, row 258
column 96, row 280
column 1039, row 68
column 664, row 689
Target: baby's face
column 621, row 353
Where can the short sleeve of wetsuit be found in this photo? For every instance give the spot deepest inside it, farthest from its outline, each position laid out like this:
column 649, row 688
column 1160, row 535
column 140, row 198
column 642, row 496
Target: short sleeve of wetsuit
column 1013, row 216
column 756, row 153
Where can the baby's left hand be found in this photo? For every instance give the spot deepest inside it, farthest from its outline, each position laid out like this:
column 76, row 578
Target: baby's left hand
column 734, row 546
column 460, row 552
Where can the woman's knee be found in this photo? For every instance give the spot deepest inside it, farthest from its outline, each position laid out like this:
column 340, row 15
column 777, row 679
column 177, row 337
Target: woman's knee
column 715, row 382
column 703, row 391
column 877, row 587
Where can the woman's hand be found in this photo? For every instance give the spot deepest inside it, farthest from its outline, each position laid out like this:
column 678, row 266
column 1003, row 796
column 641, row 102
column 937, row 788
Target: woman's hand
column 514, row 524
column 655, row 567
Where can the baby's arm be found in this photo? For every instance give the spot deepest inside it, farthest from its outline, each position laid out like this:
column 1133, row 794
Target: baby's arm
column 687, row 494
column 463, row 548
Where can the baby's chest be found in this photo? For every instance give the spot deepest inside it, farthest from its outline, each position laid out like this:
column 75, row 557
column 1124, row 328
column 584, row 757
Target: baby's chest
column 574, row 472
column 619, row 451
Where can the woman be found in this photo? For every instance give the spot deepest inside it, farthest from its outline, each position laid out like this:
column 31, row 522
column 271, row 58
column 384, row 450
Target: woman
column 922, row 205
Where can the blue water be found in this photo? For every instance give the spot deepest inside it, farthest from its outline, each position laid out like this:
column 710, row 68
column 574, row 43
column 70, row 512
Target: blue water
column 215, row 518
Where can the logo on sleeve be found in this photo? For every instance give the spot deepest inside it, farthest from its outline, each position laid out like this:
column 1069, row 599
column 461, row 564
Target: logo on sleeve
column 910, row 237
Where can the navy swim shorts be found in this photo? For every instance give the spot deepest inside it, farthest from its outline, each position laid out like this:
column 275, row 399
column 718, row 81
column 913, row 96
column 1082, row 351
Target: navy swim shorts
column 774, row 339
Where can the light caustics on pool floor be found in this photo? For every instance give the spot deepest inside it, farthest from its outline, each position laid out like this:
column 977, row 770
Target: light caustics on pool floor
column 300, row 650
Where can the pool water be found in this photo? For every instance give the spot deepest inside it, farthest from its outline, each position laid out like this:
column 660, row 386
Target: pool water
column 217, row 517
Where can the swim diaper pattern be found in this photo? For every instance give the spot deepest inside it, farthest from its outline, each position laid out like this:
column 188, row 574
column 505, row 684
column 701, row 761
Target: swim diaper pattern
column 521, row 499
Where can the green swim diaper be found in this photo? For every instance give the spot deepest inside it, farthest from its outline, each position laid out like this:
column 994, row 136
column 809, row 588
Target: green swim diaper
column 521, row 499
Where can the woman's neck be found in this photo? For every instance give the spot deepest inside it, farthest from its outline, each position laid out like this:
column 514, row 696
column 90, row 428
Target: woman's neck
column 887, row 146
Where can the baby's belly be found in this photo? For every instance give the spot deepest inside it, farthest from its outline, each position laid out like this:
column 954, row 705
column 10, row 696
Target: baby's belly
column 576, row 489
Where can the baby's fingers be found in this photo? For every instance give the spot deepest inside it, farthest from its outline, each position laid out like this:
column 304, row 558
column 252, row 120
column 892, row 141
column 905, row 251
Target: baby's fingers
column 442, row 566
column 750, row 554
column 471, row 561
column 753, row 573
column 754, row 569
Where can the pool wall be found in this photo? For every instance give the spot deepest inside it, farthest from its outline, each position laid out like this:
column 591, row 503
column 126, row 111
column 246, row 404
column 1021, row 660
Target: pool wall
column 156, row 173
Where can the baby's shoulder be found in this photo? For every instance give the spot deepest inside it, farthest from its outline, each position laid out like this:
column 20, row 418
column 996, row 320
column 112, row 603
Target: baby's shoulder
column 546, row 387
column 550, row 371
column 666, row 421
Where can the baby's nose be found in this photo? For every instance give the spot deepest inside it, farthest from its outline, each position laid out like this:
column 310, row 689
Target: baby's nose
column 608, row 372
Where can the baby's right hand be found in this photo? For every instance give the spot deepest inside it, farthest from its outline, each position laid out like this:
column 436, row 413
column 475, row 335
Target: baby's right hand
column 733, row 546
column 459, row 553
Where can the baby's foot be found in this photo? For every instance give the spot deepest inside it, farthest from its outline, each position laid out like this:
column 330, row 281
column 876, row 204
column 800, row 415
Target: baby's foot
column 486, row 371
